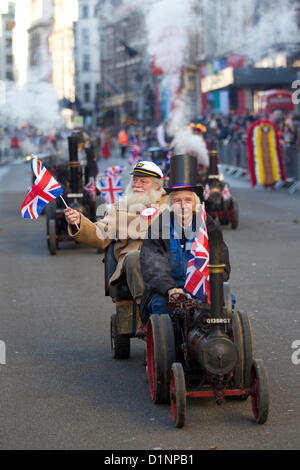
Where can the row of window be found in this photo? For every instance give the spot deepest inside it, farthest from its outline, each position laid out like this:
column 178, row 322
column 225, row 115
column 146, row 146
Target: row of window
column 8, row 75
column 9, row 59
column 87, row 91
column 86, row 13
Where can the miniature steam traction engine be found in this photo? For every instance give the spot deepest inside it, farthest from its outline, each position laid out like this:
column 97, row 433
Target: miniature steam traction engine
column 218, row 199
column 205, row 350
column 75, row 196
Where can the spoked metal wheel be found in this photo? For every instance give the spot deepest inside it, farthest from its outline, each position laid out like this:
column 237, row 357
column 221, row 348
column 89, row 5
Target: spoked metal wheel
column 178, row 394
column 120, row 344
column 259, row 392
column 160, row 356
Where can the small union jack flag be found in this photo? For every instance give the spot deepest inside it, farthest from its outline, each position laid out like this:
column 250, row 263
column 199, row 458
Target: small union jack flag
column 206, row 192
column 135, row 154
column 168, row 157
column 43, row 191
column 197, row 274
column 226, row 193
column 91, row 189
column 111, row 189
column 114, row 170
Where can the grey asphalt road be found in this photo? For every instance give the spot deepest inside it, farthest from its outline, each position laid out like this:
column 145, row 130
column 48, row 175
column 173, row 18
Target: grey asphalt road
column 60, row 388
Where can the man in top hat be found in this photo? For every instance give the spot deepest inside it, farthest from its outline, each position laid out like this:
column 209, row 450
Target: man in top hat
column 167, row 247
column 127, row 222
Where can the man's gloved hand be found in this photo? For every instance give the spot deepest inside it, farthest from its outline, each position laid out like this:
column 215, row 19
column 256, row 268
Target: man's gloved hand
column 175, row 293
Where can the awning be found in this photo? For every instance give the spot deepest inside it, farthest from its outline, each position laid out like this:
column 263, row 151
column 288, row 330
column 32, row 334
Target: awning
column 250, row 77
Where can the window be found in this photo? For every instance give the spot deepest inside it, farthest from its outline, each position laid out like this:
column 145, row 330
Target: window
column 86, row 62
column 97, row 91
column 85, row 11
column 86, row 92
column 9, row 59
column 85, row 35
column 9, row 75
column 8, row 42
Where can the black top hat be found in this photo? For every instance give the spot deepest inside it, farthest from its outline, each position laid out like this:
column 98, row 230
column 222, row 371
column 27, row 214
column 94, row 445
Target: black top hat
column 183, row 175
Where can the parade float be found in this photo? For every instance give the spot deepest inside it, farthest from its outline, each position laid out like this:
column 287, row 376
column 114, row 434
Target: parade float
column 264, row 154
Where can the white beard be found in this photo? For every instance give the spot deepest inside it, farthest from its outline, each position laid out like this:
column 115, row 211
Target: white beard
column 137, row 202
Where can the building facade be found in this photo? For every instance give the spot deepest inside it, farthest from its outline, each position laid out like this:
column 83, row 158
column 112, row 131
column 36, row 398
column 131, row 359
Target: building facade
column 245, row 48
column 61, row 44
column 7, row 23
column 87, row 61
column 39, row 31
column 127, row 90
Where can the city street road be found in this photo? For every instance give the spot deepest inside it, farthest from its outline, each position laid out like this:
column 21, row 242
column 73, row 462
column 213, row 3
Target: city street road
column 60, row 388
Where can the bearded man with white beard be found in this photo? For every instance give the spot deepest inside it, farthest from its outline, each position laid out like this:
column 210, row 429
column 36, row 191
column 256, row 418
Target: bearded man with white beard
column 126, row 222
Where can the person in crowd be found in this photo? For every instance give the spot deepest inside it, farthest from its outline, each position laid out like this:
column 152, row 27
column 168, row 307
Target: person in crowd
column 123, row 142
column 106, row 144
column 15, row 145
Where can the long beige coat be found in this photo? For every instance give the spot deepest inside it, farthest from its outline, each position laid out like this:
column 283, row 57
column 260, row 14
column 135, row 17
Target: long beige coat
column 127, row 229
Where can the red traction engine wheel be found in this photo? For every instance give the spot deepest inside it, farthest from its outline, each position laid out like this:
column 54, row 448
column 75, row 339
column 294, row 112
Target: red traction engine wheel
column 178, row 394
column 259, row 391
column 160, row 356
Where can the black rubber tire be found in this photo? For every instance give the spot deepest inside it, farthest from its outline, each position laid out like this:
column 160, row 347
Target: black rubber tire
column 237, row 337
column 178, row 394
column 52, row 237
column 155, row 362
column 168, row 343
column 248, row 347
column 235, row 209
column 160, row 356
column 47, row 231
column 259, row 392
column 120, row 344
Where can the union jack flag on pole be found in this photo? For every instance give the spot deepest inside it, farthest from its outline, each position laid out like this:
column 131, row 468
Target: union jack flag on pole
column 90, row 188
column 135, row 154
column 206, row 192
column 43, row 191
column 111, row 189
column 114, row 170
column 226, row 193
column 197, row 274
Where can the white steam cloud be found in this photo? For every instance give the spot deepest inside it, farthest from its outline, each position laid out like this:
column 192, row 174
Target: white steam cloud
column 277, row 29
column 35, row 103
column 168, row 25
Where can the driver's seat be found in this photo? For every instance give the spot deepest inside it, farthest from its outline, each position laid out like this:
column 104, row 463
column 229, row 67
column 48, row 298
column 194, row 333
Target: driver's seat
column 128, row 317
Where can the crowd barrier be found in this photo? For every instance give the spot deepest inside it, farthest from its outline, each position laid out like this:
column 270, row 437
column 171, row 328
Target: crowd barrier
column 234, row 159
column 9, row 155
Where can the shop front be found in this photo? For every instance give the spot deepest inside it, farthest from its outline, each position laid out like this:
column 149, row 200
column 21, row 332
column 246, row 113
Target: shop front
column 235, row 89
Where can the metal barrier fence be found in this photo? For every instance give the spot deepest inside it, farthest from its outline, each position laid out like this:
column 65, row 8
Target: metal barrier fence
column 9, row 155
column 235, row 154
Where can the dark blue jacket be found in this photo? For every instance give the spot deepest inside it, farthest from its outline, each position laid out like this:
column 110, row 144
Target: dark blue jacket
column 164, row 256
